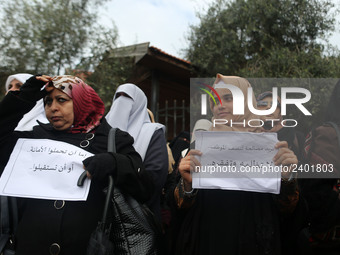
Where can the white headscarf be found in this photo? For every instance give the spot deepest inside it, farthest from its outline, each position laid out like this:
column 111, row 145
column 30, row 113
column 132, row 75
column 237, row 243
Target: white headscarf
column 22, row 77
column 29, row 120
column 130, row 114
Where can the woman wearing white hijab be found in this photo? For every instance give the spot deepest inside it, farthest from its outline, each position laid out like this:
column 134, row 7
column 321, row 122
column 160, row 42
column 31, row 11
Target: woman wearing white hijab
column 129, row 113
column 29, row 120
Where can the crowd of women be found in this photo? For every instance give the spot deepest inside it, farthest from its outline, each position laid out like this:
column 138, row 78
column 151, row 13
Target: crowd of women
column 302, row 219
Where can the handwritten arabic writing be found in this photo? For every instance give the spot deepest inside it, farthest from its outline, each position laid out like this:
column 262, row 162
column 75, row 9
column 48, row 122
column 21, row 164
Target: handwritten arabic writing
column 59, row 168
column 49, row 150
column 45, row 169
column 237, row 161
column 240, row 163
column 240, row 148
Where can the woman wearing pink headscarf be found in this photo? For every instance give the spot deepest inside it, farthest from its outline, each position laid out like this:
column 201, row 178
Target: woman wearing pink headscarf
column 75, row 115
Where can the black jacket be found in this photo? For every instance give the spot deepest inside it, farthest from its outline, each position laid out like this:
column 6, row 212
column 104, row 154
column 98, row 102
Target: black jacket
column 46, row 223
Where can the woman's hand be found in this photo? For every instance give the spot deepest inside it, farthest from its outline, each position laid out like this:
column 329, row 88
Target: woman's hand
column 100, row 166
column 285, row 157
column 186, row 166
column 45, row 78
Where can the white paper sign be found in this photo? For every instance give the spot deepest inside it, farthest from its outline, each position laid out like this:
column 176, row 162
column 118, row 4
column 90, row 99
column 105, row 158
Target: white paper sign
column 237, row 161
column 45, row 169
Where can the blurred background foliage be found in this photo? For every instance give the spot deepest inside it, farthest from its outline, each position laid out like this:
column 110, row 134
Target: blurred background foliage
column 248, row 38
